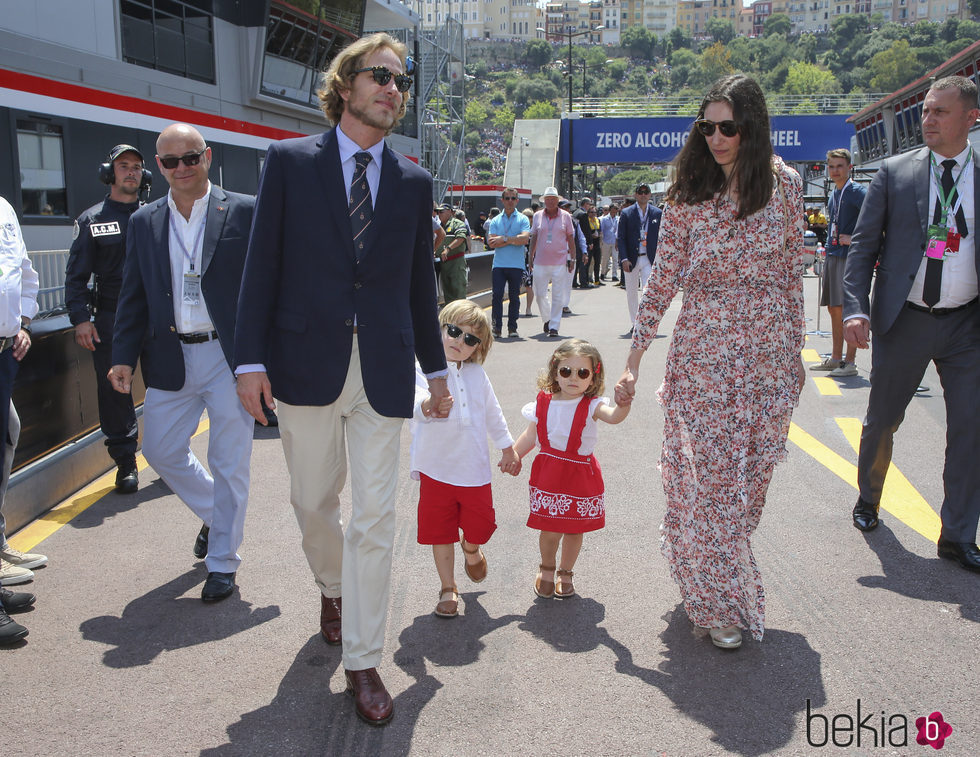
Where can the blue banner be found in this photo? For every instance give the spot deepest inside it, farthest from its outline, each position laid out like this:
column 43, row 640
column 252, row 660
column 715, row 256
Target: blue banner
column 658, row 140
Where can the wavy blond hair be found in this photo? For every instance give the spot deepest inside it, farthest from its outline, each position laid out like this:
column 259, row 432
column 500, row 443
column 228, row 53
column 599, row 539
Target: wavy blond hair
column 548, row 379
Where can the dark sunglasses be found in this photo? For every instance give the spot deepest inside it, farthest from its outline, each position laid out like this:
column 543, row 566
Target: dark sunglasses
column 583, row 373
column 381, row 75
column 454, row 331
column 508, row 198
column 191, row 159
column 707, row 128
column 642, row 191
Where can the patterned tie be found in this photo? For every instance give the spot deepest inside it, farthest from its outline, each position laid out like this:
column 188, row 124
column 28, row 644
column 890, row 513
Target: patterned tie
column 361, row 211
column 932, row 284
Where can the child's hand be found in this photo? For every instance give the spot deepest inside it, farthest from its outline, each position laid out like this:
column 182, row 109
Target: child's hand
column 445, row 405
column 510, row 462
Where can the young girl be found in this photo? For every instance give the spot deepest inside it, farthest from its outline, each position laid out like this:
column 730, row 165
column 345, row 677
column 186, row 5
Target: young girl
column 450, row 455
column 567, row 493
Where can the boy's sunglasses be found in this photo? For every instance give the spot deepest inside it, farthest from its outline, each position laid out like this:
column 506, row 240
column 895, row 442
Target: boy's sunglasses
column 191, row 159
column 583, row 373
column 381, row 75
column 707, row 128
column 454, row 331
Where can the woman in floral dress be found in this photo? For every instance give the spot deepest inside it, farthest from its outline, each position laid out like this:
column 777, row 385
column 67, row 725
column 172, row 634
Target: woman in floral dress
column 732, row 237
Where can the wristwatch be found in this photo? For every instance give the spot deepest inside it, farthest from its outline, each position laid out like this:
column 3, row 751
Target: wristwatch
column 26, row 327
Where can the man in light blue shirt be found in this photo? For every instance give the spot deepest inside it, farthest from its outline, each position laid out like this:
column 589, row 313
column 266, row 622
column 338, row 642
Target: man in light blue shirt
column 608, row 229
column 507, row 234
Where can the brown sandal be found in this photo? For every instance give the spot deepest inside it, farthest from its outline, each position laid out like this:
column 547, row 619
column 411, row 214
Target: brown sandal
column 476, row 572
column 544, row 589
column 564, row 588
column 448, row 608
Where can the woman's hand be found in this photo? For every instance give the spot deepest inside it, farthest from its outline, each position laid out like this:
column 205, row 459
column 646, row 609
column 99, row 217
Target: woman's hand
column 625, row 388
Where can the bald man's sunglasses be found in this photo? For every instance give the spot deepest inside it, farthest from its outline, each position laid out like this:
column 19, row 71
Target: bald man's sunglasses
column 191, row 159
column 382, row 76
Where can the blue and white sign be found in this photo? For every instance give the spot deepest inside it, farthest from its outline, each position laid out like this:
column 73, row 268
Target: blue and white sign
column 658, row 140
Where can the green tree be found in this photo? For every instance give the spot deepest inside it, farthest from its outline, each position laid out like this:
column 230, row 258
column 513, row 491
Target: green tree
column 808, row 79
column 777, row 23
column 923, row 34
column 474, row 115
column 720, row 29
column 534, row 89
column 716, row 62
column 472, row 139
column 893, row 68
column 483, row 163
column 538, row 53
column 638, row 40
column 845, row 29
column 678, row 38
column 540, row 110
column 625, row 182
column 617, row 69
column 503, row 119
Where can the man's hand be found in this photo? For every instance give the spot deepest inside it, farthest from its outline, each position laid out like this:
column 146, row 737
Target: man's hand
column 22, row 343
column 844, row 239
column 627, row 266
column 439, row 392
column 857, row 332
column 86, row 335
column 121, row 378
column 252, row 389
column 496, row 240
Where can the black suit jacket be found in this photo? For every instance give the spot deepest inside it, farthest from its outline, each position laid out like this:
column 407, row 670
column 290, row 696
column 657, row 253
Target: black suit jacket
column 628, row 236
column 303, row 287
column 145, row 324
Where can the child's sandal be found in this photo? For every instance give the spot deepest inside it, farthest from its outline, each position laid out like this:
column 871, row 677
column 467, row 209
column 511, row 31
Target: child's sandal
column 476, row 572
column 563, row 587
column 544, row 589
column 448, row 608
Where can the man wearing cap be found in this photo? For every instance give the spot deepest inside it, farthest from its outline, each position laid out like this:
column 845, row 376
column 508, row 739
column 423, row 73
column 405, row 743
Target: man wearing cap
column 552, row 259
column 99, row 246
column 452, row 255
column 639, row 229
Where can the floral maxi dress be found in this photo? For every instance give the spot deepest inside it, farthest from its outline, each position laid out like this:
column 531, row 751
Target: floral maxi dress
column 729, row 390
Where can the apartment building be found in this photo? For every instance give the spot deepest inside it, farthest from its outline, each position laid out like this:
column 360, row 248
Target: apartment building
column 693, row 15
column 485, row 19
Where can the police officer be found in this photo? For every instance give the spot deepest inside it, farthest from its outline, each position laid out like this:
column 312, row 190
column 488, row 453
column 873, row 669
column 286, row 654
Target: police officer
column 99, row 247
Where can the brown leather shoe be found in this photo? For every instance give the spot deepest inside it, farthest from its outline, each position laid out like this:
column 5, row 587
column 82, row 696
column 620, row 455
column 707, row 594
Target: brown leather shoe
column 330, row 619
column 371, row 699
column 448, row 608
column 542, row 588
column 563, row 587
column 476, row 572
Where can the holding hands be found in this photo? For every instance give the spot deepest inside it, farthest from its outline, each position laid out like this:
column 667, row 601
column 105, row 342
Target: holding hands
column 510, row 462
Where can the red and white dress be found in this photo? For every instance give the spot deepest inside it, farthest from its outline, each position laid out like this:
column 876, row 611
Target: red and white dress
column 567, row 492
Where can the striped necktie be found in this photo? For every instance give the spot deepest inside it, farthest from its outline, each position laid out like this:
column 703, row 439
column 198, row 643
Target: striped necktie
column 361, row 210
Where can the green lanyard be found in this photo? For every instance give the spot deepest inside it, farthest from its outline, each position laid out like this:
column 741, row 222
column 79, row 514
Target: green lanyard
column 946, row 200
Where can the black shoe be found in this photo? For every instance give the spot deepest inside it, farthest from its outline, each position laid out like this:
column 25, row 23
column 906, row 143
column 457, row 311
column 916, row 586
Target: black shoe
column 566, row 311
column 10, row 631
column 964, row 552
column 218, row 586
column 865, row 515
column 614, row 278
column 553, row 332
column 201, row 543
column 496, row 333
column 127, row 478
column 15, row 601
column 603, row 277
column 546, row 329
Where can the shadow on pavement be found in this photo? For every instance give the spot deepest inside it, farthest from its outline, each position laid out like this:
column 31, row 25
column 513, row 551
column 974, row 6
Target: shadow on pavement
column 110, row 503
column 926, row 578
column 163, row 619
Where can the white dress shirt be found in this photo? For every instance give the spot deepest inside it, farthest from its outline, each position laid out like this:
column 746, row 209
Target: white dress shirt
column 186, row 246
column 454, row 450
column 18, row 279
column 348, row 149
column 959, row 282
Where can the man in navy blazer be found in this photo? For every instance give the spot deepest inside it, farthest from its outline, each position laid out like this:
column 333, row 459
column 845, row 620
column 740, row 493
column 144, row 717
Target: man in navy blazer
column 639, row 229
column 337, row 301
column 176, row 313
column 925, row 308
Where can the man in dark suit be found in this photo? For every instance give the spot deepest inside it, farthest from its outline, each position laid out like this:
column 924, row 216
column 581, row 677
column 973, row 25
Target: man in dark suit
column 176, row 312
column 337, row 301
column 639, row 229
column 919, row 223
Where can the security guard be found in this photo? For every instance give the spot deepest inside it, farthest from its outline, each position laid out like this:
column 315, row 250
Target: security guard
column 451, row 252
column 99, row 247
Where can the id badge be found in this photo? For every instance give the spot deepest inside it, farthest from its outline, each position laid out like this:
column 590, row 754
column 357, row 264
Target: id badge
column 192, row 289
column 936, row 242
column 548, row 238
column 952, row 242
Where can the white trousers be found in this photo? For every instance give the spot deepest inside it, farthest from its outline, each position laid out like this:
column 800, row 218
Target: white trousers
column 549, row 306
column 635, row 280
column 218, row 498
column 609, row 254
column 355, row 565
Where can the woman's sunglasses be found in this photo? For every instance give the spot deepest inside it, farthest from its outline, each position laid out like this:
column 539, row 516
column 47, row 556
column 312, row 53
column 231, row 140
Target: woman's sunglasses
column 381, row 75
column 188, row 160
column 583, row 373
column 454, row 331
column 707, row 128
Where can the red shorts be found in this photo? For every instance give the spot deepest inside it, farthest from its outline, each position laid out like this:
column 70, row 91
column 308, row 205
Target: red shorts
column 444, row 509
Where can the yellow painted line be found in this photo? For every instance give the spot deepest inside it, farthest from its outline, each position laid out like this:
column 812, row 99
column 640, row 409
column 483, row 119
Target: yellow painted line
column 826, row 385
column 836, row 464
column 810, row 356
column 898, row 496
column 40, row 529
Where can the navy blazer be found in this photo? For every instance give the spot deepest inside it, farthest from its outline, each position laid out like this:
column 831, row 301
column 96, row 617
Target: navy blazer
column 145, row 324
column 850, row 200
column 303, row 287
column 628, row 236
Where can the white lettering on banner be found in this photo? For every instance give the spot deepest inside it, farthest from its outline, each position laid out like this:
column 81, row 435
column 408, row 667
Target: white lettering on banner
column 612, row 140
column 785, row 138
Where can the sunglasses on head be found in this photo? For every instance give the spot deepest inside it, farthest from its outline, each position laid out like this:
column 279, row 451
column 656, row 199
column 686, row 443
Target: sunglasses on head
column 583, row 373
column 707, row 128
column 191, row 159
column 454, row 331
column 381, row 75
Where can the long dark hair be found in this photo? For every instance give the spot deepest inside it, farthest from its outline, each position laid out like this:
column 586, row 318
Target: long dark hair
column 698, row 175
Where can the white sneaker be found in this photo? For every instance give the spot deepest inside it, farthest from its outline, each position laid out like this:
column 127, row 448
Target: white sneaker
column 844, row 369
column 13, row 574
column 22, row 559
column 827, row 365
